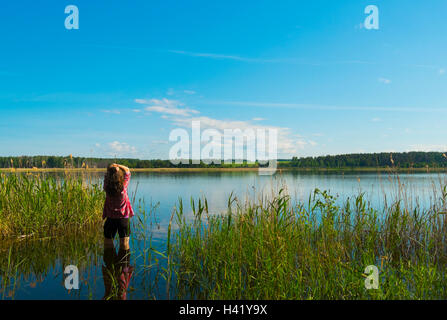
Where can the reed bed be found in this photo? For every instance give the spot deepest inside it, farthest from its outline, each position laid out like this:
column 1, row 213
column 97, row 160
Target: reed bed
column 273, row 249
column 34, row 205
column 261, row 248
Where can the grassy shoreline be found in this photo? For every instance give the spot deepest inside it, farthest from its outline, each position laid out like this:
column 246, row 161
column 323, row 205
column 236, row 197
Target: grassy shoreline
column 198, row 170
column 36, row 205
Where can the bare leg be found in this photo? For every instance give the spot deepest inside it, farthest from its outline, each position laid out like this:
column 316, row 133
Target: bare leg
column 124, row 243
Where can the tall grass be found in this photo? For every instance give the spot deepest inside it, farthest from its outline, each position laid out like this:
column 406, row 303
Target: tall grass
column 32, row 205
column 48, row 222
column 265, row 248
column 273, row 249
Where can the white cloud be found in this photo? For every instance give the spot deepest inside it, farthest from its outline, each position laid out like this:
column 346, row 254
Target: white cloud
column 441, row 71
column 384, row 80
column 210, row 55
column 111, row 111
column 325, row 107
column 166, row 106
column 288, row 143
column 117, row 147
column 189, row 92
column 160, row 142
column 180, row 115
column 376, row 119
column 219, row 56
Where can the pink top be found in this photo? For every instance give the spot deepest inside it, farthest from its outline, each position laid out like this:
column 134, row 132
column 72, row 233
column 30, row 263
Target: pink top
column 118, row 207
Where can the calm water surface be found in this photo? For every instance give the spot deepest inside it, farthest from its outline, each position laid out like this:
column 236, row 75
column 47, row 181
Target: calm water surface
column 40, row 275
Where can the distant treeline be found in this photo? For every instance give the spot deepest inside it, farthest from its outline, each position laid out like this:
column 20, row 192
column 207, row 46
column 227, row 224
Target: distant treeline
column 366, row 160
column 372, row 160
column 81, row 162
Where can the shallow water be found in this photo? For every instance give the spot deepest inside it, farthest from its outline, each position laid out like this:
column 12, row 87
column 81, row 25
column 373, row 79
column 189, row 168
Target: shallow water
column 41, row 262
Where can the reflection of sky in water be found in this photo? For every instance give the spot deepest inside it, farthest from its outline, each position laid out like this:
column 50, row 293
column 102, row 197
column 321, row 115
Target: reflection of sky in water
column 166, row 188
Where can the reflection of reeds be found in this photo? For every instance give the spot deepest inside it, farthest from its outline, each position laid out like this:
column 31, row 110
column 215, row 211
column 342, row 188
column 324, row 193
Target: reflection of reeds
column 271, row 249
column 30, row 261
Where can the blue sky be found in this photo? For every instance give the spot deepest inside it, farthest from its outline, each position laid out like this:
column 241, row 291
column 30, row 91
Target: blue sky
column 136, row 70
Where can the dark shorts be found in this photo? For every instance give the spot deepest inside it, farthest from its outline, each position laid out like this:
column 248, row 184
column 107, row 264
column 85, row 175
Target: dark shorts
column 111, row 226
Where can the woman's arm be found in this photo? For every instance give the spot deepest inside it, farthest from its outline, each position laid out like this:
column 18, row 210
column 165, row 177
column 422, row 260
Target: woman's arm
column 126, row 169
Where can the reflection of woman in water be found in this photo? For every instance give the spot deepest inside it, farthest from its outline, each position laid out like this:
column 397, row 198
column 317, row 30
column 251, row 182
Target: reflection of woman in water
column 116, row 273
column 117, row 211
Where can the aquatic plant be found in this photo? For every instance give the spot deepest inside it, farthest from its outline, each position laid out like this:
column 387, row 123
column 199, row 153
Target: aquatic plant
column 273, row 249
column 36, row 205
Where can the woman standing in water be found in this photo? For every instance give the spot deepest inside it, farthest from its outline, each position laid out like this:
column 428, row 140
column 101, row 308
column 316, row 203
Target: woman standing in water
column 117, row 207
column 117, row 211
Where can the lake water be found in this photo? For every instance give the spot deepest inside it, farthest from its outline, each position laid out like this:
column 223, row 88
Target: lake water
column 40, row 276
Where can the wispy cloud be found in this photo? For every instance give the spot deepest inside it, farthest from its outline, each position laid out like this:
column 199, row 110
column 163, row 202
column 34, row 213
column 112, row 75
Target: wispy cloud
column 298, row 61
column 293, row 60
column 323, row 107
column 439, row 69
column 166, row 106
column 384, row 80
column 159, row 142
column 218, row 56
column 111, row 111
column 427, row 148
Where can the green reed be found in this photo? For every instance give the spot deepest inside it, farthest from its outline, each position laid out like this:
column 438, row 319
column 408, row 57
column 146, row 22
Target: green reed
column 273, row 249
column 47, row 223
column 35, row 205
column 269, row 248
